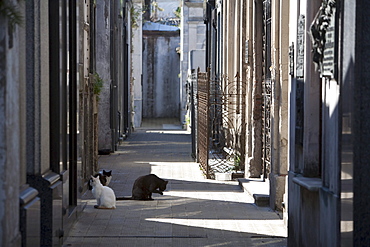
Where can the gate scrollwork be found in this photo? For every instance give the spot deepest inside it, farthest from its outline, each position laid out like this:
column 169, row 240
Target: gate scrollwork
column 226, row 125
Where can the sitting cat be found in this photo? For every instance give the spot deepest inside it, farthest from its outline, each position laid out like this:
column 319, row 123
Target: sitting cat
column 105, row 197
column 144, row 186
column 108, row 176
column 104, row 176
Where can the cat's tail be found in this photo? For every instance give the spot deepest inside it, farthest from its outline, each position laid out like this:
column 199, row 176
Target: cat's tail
column 120, row 198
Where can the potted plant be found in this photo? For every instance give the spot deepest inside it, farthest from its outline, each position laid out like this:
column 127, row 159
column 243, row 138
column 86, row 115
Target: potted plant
column 237, row 169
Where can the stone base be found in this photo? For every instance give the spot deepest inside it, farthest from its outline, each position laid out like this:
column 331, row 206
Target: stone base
column 30, row 217
column 223, row 176
column 261, row 200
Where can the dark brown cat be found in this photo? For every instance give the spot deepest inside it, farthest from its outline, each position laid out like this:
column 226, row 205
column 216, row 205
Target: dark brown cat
column 144, row 186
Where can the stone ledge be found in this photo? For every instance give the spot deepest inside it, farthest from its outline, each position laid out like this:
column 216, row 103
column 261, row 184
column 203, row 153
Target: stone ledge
column 261, row 200
column 311, row 184
column 28, row 195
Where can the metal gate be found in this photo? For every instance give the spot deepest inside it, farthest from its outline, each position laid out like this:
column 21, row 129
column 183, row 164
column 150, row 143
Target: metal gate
column 266, row 90
column 203, row 120
column 221, row 124
column 266, row 129
column 193, row 100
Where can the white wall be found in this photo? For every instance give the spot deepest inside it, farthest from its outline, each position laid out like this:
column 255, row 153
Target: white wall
column 137, row 68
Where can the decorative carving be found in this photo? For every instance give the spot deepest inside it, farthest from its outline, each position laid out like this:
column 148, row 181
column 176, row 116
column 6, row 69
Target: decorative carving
column 300, row 46
column 323, row 38
column 291, row 60
column 247, row 51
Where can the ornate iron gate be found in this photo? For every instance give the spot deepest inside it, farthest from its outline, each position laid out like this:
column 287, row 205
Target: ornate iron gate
column 266, row 129
column 203, row 120
column 221, row 124
column 266, row 90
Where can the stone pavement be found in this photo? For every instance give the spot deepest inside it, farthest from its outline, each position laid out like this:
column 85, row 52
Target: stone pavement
column 193, row 211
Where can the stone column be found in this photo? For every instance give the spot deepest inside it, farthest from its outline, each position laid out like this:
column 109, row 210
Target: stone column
column 280, row 94
column 136, row 63
column 255, row 161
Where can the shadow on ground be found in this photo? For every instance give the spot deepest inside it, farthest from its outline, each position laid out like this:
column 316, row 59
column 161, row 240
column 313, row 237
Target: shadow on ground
column 193, row 211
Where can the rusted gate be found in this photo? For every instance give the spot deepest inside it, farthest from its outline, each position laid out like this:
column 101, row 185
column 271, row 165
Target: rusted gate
column 221, row 124
column 203, row 120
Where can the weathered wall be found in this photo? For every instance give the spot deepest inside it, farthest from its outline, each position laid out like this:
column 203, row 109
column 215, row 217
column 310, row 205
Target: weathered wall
column 43, row 62
column 9, row 136
column 313, row 173
column 103, row 36
column 161, row 67
column 360, row 133
column 304, row 204
column 110, row 54
column 347, row 119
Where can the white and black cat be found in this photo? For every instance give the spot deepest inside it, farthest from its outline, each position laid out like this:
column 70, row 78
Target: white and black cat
column 108, row 176
column 144, row 186
column 105, row 197
column 104, row 176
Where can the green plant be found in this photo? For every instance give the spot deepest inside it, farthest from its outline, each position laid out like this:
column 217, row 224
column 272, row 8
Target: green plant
column 187, row 119
column 177, row 12
column 136, row 14
column 97, row 84
column 236, row 162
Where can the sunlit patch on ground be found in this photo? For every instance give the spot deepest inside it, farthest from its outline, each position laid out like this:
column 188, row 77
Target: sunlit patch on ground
column 261, row 227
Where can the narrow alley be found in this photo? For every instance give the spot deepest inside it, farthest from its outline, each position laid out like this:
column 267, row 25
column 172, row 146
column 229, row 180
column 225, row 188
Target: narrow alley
column 256, row 113
column 193, row 211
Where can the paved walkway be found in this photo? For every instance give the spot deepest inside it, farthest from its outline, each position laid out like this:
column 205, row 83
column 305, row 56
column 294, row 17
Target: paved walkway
column 193, row 211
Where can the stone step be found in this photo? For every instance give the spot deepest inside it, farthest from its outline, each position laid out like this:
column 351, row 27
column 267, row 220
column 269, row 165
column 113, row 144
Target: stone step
column 261, row 200
column 258, row 188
